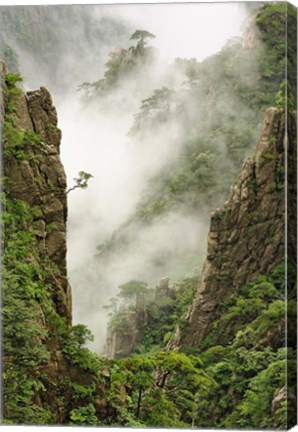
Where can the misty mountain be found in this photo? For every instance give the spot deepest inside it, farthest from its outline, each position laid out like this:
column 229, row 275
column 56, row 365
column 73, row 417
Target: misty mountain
column 120, row 305
column 59, row 44
column 196, row 127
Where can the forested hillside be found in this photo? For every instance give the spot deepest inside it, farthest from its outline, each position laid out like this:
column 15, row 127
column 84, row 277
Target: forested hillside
column 186, row 290
column 40, row 38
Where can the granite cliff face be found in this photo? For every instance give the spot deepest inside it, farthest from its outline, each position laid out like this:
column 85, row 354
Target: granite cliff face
column 122, row 340
column 121, row 343
column 34, row 257
column 247, row 236
column 39, row 180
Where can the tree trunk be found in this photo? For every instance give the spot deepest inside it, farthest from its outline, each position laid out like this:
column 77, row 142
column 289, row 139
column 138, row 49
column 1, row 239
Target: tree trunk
column 139, row 402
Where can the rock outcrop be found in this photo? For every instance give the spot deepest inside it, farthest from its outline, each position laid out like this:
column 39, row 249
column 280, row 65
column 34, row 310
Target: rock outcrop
column 130, row 330
column 247, row 236
column 122, row 340
column 39, row 180
column 35, row 181
column 283, row 396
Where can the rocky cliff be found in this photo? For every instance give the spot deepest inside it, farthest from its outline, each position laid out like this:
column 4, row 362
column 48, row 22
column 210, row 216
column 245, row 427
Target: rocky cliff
column 121, row 342
column 36, row 176
column 128, row 327
column 46, row 368
column 247, row 236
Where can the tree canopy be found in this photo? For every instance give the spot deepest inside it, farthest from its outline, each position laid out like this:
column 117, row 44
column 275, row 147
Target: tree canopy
column 142, row 36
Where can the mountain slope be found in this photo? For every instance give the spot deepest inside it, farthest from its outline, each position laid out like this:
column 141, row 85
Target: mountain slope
column 217, row 355
column 237, row 324
column 246, row 236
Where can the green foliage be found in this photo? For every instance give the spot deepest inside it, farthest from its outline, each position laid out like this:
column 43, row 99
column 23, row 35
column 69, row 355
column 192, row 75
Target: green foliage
column 115, row 67
column 255, row 409
column 11, row 79
column 154, row 109
column 272, row 20
column 122, row 64
column 26, row 296
column 163, row 412
column 84, row 416
column 162, row 388
column 52, row 227
column 80, row 334
column 81, row 181
column 22, row 296
column 132, row 289
column 284, row 97
column 164, row 311
column 222, row 385
column 247, row 309
column 142, row 35
column 112, row 305
column 250, row 370
column 26, row 303
column 265, row 291
column 16, row 142
column 126, row 418
column 151, row 211
column 31, row 138
column 120, row 323
column 75, row 351
column 20, row 376
column 134, row 295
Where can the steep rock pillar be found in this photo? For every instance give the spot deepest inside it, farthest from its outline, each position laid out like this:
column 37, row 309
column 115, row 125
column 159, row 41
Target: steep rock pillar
column 36, row 176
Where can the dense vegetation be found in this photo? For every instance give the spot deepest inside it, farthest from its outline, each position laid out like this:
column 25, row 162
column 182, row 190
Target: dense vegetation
column 249, row 364
column 242, row 364
column 228, row 384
